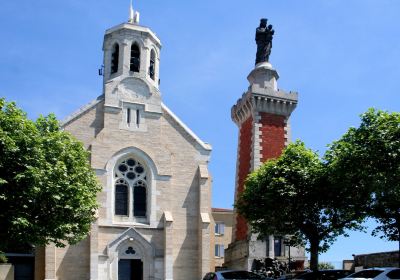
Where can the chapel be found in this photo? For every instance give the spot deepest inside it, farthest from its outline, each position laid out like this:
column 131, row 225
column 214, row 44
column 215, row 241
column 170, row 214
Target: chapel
column 154, row 216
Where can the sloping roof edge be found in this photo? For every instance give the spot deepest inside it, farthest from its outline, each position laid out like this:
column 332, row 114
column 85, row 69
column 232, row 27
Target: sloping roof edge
column 204, row 145
column 81, row 111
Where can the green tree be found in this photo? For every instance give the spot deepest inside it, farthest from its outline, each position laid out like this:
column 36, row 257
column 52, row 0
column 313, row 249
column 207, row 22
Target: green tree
column 47, row 187
column 325, row 265
column 294, row 195
column 368, row 158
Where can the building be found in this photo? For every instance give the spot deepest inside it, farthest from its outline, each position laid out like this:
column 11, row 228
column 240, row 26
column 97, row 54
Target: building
column 154, row 216
column 379, row 259
column 222, row 220
column 262, row 115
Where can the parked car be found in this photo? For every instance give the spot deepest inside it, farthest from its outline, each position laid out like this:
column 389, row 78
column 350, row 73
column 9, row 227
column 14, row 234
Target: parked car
column 376, row 273
column 232, row 274
column 326, row 274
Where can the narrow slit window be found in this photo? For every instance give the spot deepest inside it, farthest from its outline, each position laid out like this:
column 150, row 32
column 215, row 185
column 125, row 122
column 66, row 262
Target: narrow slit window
column 115, row 59
column 128, row 115
column 137, row 117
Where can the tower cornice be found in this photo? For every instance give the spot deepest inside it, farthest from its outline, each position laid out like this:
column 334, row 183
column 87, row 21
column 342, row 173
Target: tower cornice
column 273, row 102
column 263, row 96
column 136, row 28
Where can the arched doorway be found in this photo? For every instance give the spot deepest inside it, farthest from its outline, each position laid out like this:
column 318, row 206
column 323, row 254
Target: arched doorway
column 131, row 257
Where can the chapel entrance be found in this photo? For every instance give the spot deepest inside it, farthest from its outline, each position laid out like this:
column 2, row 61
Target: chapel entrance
column 130, row 269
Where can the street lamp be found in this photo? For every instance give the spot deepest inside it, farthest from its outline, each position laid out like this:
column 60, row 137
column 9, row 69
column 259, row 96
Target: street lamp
column 287, row 242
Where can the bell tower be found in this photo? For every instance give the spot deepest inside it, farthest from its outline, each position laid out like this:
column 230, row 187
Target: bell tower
column 131, row 74
column 262, row 116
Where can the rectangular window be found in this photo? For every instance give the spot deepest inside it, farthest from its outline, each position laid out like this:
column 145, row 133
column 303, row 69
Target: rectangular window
column 219, row 250
column 219, row 228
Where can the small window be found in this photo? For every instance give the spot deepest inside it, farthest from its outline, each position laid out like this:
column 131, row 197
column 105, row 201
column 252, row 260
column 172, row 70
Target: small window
column 135, row 58
column 219, row 250
column 121, row 198
column 152, row 67
column 137, row 118
column 115, row 59
column 219, row 228
column 128, row 115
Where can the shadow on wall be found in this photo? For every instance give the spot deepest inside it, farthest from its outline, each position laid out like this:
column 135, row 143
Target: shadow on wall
column 74, row 261
column 187, row 255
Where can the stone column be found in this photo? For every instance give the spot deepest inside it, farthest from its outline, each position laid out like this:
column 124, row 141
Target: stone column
column 168, row 246
column 94, row 254
column 204, row 221
column 50, row 262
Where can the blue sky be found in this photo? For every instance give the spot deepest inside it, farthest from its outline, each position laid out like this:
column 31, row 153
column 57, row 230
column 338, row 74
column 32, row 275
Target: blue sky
column 341, row 56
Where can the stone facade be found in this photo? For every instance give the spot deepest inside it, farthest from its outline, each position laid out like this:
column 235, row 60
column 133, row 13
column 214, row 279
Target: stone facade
column 262, row 115
column 222, row 224
column 381, row 259
column 148, row 162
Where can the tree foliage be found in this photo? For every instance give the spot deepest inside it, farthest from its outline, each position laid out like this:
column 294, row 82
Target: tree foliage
column 325, row 265
column 369, row 157
column 47, row 187
column 295, row 195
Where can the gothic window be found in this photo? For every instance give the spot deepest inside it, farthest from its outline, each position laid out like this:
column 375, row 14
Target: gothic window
column 115, row 59
column 131, row 177
column 121, row 197
column 152, row 67
column 139, row 199
column 135, row 58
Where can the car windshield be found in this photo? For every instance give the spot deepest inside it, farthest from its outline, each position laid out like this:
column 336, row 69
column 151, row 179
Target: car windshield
column 366, row 273
column 240, row 275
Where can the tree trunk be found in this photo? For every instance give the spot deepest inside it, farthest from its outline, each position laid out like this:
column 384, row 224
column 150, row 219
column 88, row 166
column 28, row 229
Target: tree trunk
column 314, row 244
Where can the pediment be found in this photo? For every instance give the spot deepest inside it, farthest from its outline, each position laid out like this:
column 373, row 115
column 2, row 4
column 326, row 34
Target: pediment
column 135, row 239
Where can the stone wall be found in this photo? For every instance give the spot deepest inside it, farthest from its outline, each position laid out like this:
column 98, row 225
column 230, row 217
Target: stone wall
column 382, row 259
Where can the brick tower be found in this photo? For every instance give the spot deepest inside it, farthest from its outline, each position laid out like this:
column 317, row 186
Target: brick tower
column 262, row 115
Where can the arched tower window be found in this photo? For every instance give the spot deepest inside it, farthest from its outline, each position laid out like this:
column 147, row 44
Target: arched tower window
column 135, row 58
column 131, row 178
column 115, row 59
column 152, row 67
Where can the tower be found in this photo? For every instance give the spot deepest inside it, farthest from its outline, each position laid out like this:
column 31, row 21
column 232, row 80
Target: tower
column 262, row 116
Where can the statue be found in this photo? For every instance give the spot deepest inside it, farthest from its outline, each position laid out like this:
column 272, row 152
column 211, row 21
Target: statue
column 264, row 36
